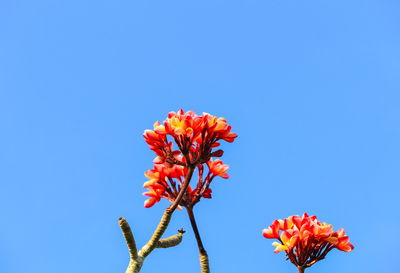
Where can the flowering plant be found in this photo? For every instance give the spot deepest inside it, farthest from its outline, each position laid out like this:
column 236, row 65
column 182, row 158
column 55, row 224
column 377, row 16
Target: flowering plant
column 195, row 137
column 183, row 143
column 305, row 239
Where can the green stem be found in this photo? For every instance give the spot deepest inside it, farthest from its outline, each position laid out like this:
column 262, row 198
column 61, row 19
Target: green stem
column 171, row 241
column 130, row 241
column 204, row 263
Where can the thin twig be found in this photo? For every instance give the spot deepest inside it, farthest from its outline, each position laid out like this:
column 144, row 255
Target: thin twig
column 204, row 263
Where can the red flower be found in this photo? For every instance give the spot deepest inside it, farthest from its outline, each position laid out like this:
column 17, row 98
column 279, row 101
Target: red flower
column 273, row 231
column 195, row 138
column 306, row 240
column 217, row 168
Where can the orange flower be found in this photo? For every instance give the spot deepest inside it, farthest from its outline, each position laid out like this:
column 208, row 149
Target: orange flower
column 306, row 240
column 343, row 241
column 217, row 168
column 165, row 181
column 195, row 138
column 273, row 231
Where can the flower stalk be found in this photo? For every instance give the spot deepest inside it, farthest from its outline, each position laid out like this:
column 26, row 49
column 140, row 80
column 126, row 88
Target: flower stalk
column 137, row 257
column 301, row 269
column 204, row 263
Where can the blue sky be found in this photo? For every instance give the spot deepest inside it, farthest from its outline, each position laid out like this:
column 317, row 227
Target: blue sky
column 311, row 87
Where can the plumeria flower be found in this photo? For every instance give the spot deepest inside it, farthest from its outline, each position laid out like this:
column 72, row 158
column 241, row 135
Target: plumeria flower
column 185, row 140
column 305, row 240
column 218, row 168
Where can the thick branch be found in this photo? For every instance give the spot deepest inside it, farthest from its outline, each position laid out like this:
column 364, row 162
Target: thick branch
column 204, row 264
column 162, row 226
column 171, row 241
column 137, row 259
column 130, row 241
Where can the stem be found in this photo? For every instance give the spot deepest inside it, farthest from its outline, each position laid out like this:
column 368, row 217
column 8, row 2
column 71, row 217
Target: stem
column 195, row 230
column 301, row 269
column 204, row 264
column 171, row 241
column 184, row 187
column 130, row 241
column 151, row 244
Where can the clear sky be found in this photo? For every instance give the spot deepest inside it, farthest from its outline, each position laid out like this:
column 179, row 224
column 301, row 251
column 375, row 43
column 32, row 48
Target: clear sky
column 311, row 87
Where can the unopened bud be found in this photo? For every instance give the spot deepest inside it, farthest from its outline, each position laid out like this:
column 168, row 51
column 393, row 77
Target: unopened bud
column 217, row 153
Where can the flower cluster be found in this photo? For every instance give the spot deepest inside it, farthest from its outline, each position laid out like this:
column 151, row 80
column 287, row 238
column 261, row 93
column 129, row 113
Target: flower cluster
column 195, row 138
column 306, row 240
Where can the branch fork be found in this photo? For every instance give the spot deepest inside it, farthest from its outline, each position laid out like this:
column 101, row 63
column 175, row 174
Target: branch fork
column 137, row 257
